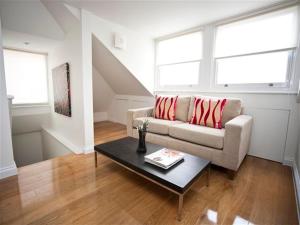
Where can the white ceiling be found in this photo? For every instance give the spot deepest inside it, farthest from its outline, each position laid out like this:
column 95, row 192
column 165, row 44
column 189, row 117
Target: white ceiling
column 15, row 40
column 159, row 18
column 42, row 24
column 29, row 17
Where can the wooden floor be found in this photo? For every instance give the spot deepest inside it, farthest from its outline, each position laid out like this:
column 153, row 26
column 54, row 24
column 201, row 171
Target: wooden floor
column 69, row 190
column 108, row 131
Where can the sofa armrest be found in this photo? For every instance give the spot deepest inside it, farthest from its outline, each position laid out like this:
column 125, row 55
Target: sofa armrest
column 237, row 140
column 136, row 113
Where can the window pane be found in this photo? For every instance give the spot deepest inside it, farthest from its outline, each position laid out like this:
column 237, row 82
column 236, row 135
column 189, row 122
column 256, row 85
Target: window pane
column 26, row 76
column 262, row 68
column 272, row 31
column 179, row 74
column 180, row 49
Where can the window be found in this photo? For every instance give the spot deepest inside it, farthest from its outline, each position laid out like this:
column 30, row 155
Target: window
column 26, row 76
column 258, row 50
column 178, row 60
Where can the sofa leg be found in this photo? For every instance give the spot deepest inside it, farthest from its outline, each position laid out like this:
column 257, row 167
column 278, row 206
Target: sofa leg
column 231, row 174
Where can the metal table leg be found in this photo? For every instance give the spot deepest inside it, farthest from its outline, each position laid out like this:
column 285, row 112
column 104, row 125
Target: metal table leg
column 180, row 203
column 96, row 161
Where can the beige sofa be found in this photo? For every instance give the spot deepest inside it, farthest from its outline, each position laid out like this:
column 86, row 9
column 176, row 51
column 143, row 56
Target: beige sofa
column 225, row 147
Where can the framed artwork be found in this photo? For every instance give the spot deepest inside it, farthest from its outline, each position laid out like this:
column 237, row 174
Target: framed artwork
column 61, row 89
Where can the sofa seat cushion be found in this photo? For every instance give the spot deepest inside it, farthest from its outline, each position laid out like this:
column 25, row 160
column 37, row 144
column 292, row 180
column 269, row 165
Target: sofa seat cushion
column 201, row 135
column 157, row 126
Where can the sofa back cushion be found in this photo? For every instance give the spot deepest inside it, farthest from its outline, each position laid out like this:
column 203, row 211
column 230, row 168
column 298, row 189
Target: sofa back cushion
column 165, row 107
column 232, row 109
column 208, row 112
column 182, row 108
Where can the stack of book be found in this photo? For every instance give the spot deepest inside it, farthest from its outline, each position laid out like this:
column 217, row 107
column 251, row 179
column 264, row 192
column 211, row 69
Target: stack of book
column 164, row 158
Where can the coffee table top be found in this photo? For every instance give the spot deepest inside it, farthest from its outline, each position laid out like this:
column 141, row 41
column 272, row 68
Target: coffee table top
column 178, row 178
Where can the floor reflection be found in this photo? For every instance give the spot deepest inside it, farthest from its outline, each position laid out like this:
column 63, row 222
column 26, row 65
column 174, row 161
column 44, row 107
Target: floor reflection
column 241, row 221
column 212, row 216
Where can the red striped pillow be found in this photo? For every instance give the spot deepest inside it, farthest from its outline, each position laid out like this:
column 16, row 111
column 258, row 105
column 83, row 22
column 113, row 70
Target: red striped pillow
column 165, row 107
column 208, row 112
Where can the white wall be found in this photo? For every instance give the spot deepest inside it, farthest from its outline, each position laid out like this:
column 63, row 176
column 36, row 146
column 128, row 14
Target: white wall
column 7, row 164
column 121, row 103
column 102, row 96
column 28, row 148
column 117, row 75
column 26, row 131
column 138, row 57
column 87, row 73
column 69, row 128
column 296, row 163
column 52, row 147
column 31, row 142
column 297, row 155
column 29, row 123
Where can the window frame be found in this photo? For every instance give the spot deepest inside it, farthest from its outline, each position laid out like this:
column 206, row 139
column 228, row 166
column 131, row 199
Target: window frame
column 38, row 104
column 256, row 87
column 288, row 77
column 159, row 87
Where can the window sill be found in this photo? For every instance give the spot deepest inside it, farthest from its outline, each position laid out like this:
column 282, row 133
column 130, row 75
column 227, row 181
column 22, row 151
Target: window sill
column 31, row 105
column 30, row 109
column 184, row 91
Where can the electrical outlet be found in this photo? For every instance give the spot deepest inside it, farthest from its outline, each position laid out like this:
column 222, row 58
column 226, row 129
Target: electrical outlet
column 120, row 41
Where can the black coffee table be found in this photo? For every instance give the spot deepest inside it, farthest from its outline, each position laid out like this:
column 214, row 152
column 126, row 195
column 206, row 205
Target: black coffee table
column 177, row 179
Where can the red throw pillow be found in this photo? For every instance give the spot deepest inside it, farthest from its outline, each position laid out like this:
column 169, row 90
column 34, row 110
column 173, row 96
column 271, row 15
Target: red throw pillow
column 208, row 112
column 165, row 107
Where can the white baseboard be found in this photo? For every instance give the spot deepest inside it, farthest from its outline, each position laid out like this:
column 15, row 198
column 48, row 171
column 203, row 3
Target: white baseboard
column 296, row 179
column 8, row 171
column 89, row 149
column 73, row 148
column 288, row 162
column 100, row 116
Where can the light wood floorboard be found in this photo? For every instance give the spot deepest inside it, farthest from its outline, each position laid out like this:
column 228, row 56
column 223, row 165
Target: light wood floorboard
column 108, row 131
column 69, row 190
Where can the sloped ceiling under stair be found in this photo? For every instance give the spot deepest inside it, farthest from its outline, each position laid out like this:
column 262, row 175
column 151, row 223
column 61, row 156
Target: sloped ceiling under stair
column 66, row 16
column 114, row 72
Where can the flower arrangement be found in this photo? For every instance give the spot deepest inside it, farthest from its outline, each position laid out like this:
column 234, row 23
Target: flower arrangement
column 144, row 126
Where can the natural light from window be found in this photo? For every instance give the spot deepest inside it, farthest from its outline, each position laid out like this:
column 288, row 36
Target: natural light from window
column 181, row 74
column 26, row 76
column 258, row 50
column 178, row 60
column 262, row 68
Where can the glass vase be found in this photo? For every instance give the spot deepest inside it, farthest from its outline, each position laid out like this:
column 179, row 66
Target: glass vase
column 142, row 141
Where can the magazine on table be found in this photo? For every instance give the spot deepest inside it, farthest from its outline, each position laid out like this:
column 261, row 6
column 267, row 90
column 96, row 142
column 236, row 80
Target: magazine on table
column 164, row 158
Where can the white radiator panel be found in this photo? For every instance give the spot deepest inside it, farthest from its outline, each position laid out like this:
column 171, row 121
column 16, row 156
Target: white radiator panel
column 269, row 133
